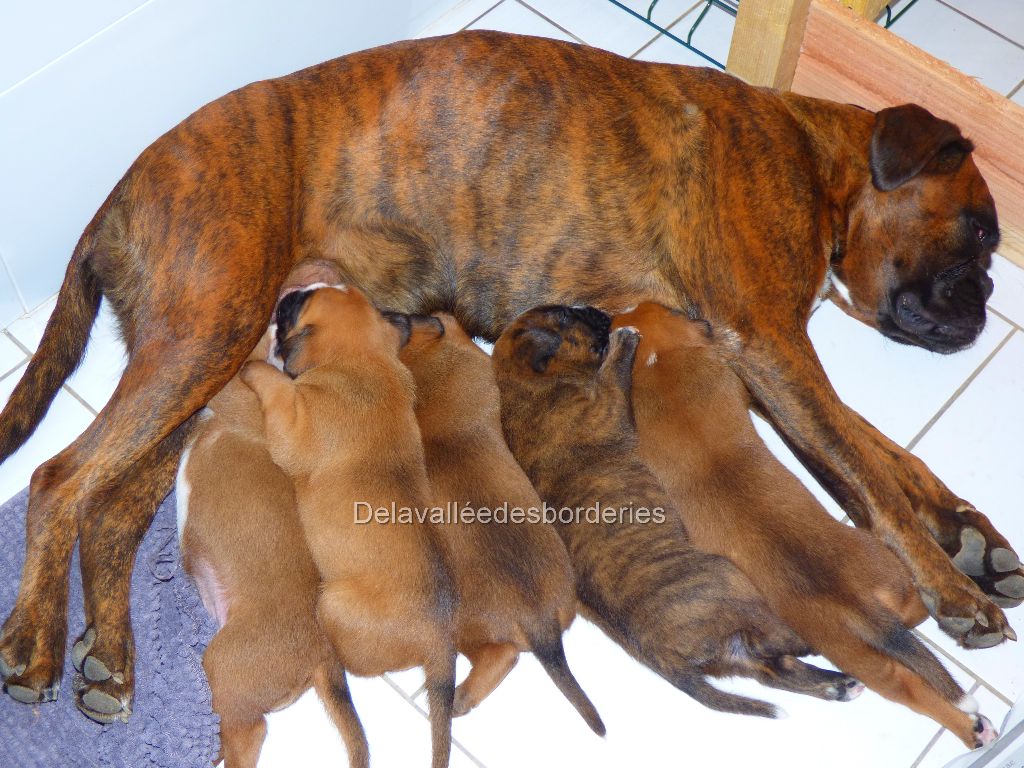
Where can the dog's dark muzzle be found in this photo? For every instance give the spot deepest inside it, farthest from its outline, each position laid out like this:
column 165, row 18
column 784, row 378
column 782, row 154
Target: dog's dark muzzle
column 945, row 317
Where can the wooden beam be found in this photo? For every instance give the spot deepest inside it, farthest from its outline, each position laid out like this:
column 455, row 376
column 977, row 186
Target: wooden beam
column 869, row 9
column 877, row 69
column 766, row 41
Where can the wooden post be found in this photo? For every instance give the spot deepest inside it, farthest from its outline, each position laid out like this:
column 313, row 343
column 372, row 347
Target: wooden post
column 766, row 41
column 877, row 69
column 869, row 9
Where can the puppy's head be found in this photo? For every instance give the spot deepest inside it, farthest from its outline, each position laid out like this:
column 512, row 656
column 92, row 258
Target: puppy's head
column 316, row 326
column 662, row 329
column 921, row 235
column 555, row 340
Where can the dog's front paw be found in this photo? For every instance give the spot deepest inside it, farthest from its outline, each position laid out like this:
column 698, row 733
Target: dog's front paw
column 967, row 616
column 984, row 731
column 982, row 553
column 102, row 687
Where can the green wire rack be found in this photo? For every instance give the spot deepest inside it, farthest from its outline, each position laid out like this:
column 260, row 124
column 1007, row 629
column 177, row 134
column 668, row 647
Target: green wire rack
column 731, row 7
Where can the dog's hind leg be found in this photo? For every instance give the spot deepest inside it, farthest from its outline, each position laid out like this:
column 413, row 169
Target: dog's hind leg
column 491, row 663
column 111, row 534
column 185, row 343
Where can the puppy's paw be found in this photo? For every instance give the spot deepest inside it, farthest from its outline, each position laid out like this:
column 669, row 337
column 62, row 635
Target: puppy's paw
column 848, row 689
column 984, row 731
column 966, row 615
column 31, row 661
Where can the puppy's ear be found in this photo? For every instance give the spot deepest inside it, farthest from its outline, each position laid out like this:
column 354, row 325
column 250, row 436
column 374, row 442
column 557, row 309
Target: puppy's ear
column 536, row 347
column 287, row 314
column 909, row 140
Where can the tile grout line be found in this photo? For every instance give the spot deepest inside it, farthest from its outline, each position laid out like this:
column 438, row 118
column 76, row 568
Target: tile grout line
column 14, row 285
column 999, row 314
column 64, row 386
column 937, row 736
column 398, row 689
column 649, row 43
column 474, row 21
column 959, row 391
column 1016, row 88
column 74, row 48
column 530, row 8
column 981, row 24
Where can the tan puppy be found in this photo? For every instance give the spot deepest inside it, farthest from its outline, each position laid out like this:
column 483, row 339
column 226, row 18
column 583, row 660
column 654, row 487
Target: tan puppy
column 840, row 588
column 242, row 543
column 517, row 590
column 686, row 614
column 345, row 432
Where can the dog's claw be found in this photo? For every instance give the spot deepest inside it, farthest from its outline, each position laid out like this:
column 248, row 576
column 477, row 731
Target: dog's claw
column 981, row 618
column 1010, row 634
column 1004, row 560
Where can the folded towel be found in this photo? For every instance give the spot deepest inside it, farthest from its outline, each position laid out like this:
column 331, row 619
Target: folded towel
column 172, row 723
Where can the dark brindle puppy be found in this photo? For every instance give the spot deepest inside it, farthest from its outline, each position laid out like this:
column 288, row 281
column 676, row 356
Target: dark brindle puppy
column 686, row 614
column 484, row 174
column 516, row 585
column 838, row 587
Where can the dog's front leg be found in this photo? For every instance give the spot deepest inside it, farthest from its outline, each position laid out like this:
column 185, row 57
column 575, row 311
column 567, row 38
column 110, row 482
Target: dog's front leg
column 786, row 379
column 977, row 548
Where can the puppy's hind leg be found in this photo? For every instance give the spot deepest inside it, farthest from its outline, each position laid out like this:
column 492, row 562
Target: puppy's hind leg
column 491, row 664
column 331, row 686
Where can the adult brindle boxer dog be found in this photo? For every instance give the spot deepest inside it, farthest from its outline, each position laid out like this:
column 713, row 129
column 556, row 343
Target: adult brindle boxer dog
column 483, row 174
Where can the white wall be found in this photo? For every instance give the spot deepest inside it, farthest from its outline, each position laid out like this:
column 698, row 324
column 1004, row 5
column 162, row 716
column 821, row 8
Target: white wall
column 85, row 86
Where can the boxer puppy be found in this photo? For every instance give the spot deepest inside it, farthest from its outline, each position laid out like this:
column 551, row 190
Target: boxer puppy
column 840, row 588
column 339, row 421
column 242, row 542
column 686, row 614
column 572, row 176
column 516, row 585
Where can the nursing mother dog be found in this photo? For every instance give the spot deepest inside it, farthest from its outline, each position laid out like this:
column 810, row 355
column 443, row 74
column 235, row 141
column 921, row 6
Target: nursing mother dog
column 483, row 174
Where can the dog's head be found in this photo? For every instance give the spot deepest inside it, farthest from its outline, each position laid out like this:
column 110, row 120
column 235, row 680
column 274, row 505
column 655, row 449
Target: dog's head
column 555, row 340
column 318, row 325
column 921, row 234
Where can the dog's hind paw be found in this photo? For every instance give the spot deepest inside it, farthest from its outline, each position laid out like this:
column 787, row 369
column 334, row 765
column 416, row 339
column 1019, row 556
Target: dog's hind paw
column 29, row 664
column 984, row 731
column 101, row 694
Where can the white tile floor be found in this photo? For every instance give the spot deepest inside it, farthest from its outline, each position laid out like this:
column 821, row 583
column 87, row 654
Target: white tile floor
column 962, row 414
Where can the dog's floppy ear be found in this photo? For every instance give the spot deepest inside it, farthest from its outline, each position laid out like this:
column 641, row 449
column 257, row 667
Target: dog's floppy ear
column 909, row 140
column 287, row 315
column 536, row 347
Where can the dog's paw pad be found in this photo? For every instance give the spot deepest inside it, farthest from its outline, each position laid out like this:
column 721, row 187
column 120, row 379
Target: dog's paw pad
column 6, row 670
column 1004, row 560
column 986, row 640
column 1012, row 586
column 81, row 649
column 95, row 670
column 26, row 695
column 984, row 731
column 971, row 557
column 956, row 625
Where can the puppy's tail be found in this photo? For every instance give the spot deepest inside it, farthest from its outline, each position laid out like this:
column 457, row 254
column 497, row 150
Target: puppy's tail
column 59, row 352
column 441, row 698
column 551, row 655
column 699, row 689
column 332, row 687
